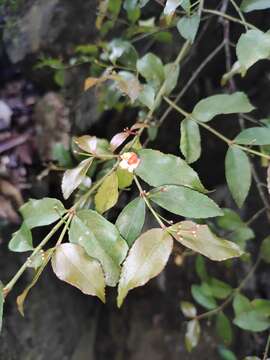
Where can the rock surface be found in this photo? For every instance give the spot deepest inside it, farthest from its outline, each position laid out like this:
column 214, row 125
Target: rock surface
column 50, row 26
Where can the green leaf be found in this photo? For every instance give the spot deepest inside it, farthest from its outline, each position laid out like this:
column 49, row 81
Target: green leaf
column 219, row 289
column 71, row 264
column 188, row 309
column 190, row 143
column 147, row 96
column 101, row 240
column 230, row 220
column 192, row 335
column 254, row 136
column 146, row 259
column 252, row 46
column 224, row 329
column 252, row 320
column 208, row 108
column 2, row 300
column 107, row 194
column 226, row 354
column 188, row 26
column 159, row 169
column 21, row 240
column 165, row 37
column 125, row 178
column 265, row 250
column 131, row 219
column 151, row 68
column 73, row 177
column 185, row 202
column 122, row 51
column 241, row 304
column 202, row 298
column 250, row 5
column 132, row 9
column 238, row 174
column 186, row 6
column 61, row 155
column 201, row 268
column 199, row 238
column 239, row 231
column 171, row 71
column 114, row 6
column 251, row 358
column 41, row 212
column 262, row 306
column 93, row 145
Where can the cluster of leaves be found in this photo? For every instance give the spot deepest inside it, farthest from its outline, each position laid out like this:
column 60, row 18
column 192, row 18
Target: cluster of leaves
column 99, row 253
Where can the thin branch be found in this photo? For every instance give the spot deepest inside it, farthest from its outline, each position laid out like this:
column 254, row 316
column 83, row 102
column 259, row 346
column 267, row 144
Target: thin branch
column 266, row 351
column 191, row 80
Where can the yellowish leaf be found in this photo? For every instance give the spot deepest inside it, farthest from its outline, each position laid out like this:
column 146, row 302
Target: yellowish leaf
column 107, row 194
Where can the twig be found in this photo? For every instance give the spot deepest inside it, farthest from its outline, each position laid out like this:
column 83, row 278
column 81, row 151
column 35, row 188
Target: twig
column 266, row 348
column 231, row 296
column 229, row 17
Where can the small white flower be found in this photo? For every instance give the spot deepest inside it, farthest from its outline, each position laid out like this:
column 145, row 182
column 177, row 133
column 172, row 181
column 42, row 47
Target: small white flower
column 129, row 161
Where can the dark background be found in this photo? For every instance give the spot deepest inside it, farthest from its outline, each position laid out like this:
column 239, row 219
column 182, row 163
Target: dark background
column 60, row 323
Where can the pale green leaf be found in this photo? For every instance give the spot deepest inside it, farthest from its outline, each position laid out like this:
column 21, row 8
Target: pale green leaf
column 171, row 71
column 123, row 52
column 22, row 297
column 107, row 194
column 131, row 219
column 183, row 201
column 238, row 174
column 171, row 6
column 159, row 169
column 188, row 309
column 186, row 6
column 252, row 46
column 128, row 84
column 41, row 212
column 224, row 329
column 199, row 238
column 254, row 136
column 241, row 304
column 21, row 240
column 72, row 265
column 192, row 335
column 188, row 26
column 212, row 106
column 2, row 300
column 265, row 250
column 101, row 240
column 93, row 145
column 147, row 96
column 74, row 177
column 146, row 259
column 190, row 143
column 151, row 68
column 252, row 321
column 250, row 5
